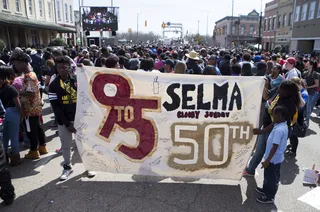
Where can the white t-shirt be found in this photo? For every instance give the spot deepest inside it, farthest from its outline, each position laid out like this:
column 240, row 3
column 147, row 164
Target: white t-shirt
column 245, row 62
column 292, row 73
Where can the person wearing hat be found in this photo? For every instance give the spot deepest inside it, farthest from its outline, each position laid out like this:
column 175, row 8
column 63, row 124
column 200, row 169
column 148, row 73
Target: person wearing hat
column 169, row 66
column 292, row 71
column 192, row 66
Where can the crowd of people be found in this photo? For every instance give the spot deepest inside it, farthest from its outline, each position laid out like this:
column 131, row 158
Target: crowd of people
column 290, row 94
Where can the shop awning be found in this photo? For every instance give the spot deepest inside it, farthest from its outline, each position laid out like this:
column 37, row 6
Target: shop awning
column 8, row 19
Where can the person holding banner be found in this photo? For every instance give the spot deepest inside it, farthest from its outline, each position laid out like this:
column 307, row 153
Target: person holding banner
column 289, row 97
column 63, row 98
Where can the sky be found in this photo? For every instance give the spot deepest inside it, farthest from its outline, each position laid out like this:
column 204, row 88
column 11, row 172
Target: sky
column 186, row 12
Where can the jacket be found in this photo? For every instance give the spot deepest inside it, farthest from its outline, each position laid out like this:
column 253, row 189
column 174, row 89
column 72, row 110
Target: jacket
column 63, row 99
column 225, row 68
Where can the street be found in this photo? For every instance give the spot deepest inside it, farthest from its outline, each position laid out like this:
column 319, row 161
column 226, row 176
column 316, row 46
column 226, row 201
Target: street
column 39, row 189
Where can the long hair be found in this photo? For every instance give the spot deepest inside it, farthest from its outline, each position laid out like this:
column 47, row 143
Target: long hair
column 180, row 68
column 291, row 90
column 314, row 65
column 7, row 74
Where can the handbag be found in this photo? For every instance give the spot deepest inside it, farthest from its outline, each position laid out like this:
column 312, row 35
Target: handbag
column 300, row 130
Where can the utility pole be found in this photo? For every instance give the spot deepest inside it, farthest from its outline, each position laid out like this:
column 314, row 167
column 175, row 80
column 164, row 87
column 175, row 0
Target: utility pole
column 232, row 23
column 137, row 27
column 260, row 23
column 207, row 26
column 198, row 27
column 138, row 22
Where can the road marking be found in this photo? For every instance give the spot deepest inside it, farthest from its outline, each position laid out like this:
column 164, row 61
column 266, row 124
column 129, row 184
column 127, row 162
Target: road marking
column 312, row 198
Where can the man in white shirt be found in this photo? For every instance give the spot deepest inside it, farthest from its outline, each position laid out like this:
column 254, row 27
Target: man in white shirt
column 292, row 71
column 246, row 59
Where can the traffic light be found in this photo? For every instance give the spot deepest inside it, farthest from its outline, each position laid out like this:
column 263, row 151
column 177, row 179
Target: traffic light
column 163, row 25
column 145, row 23
column 129, row 30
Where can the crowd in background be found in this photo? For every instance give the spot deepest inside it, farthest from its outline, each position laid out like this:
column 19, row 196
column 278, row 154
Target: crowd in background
column 290, row 94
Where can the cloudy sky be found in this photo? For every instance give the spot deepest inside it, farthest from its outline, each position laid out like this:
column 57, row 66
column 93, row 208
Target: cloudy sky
column 187, row 12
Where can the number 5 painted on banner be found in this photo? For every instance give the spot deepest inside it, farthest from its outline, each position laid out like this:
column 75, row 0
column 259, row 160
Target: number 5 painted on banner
column 178, row 139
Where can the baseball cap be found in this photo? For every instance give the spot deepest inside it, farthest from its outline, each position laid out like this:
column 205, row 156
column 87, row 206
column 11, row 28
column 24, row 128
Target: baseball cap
column 257, row 58
column 292, row 60
column 169, row 62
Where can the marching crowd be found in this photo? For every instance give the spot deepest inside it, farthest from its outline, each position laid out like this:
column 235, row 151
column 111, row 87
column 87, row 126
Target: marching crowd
column 290, row 94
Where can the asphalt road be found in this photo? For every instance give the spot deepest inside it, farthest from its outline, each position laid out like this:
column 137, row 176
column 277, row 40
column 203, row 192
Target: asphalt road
column 38, row 188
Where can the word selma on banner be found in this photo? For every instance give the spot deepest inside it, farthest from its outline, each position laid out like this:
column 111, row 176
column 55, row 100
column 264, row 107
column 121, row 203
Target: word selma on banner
column 199, row 128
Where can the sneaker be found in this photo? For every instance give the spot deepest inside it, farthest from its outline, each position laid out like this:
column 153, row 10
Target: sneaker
column 59, row 151
column 265, row 200
column 91, row 174
column 67, row 170
column 260, row 191
column 246, row 174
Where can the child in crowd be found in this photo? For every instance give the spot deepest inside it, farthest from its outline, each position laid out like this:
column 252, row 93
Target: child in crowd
column 274, row 156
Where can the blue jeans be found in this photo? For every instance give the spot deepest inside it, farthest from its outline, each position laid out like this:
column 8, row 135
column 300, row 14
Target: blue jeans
column 258, row 154
column 310, row 105
column 11, row 128
column 271, row 180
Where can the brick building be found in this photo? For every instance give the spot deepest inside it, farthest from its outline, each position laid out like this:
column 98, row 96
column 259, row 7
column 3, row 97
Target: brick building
column 306, row 33
column 269, row 25
column 237, row 30
column 284, row 24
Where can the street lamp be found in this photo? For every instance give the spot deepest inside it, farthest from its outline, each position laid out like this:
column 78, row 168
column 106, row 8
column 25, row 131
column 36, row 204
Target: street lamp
column 138, row 21
column 260, row 25
column 207, row 25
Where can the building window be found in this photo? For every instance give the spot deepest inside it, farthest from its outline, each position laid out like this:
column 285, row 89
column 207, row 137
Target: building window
column 223, row 30
column 71, row 14
column 265, row 25
column 274, row 20
column 312, row 9
column 284, row 20
column 17, row 5
column 297, row 14
column 279, row 21
column 40, row 7
column 30, row 7
column 49, row 9
column 242, row 30
column 58, row 10
column 318, row 15
column 304, row 12
column 290, row 19
column 233, row 30
column 5, row 4
column 66, row 11
column 269, row 24
column 251, row 30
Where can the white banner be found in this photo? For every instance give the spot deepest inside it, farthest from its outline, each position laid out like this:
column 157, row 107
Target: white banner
column 166, row 124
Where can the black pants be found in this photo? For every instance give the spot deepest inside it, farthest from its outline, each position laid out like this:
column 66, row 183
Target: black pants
column 271, row 180
column 294, row 141
column 36, row 134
